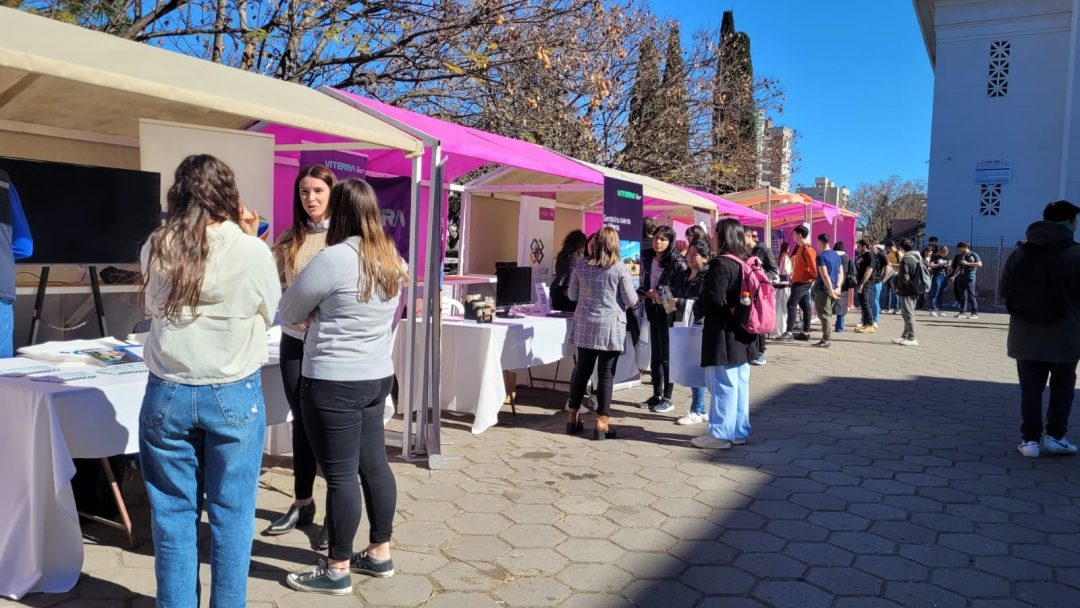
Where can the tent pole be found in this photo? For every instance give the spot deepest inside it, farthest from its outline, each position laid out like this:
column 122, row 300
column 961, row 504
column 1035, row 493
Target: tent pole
column 433, row 293
column 463, row 241
column 410, row 319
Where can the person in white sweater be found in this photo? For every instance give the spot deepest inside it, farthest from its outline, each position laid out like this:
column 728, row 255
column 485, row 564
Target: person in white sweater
column 350, row 292
column 296, row 246
column 211, row 289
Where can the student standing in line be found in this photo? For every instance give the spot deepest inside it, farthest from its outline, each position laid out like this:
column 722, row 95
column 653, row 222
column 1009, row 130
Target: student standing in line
column 783, row 291
column 697, row 258
column 910, row 283
column 292, row 252
column 866, row 272
column 830, row 276
column 892, row 295
column 1041, row 287
column 662, row 268
column 352, row 290
column 603, row 290
column 803, row 275
column 726, row 347
column 965, row 266
column 211, row 290
column 939, row 279
column 840, row 309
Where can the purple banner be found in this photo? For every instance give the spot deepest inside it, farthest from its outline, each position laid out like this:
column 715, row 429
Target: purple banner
column 623, row 210
column 345, row 165
column 393, row 195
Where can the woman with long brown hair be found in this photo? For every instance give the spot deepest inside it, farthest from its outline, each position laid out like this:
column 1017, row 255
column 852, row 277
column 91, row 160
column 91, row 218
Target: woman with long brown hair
column 292, row 252
column 211, row 289
column 601, row 286
column 352, row 288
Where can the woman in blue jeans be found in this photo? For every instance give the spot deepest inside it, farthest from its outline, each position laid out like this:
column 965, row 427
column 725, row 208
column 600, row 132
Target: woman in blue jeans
column 697, row 258
column 726, row 348
column 350, row 291
column 211, row 289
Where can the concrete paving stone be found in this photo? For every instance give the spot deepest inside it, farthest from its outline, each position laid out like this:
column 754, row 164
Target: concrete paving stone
column 978, row 488
column 868, row 472
column 482, row 503
column 417, row 562
column 855, row 494
column 460, row 576
column 669, row 594
column 97, row 558
column 435, row 491
column 1042, row 497
column 770, row 565
column 438, row 511
column 681, row 507
column 295, row 599
column 977, row 513
column 763, row 491
column 819, row 554
column 923, row 594
column 595, row 600
column 590, row 550
column 672, row 490
column 797, row 530
column 532, row 562
column 533, row 592
column 718, row 580
column 792, row 594
column 878, row 511
column 974, row 544
column 819, row 502
column 532, row 535
column 941, row 522
column 582, row 505
column 531, row 496
column 778, row 509
column 533, row 514
column 478, row 523
column 652, row 565
column 1066, row 576
column 891, row 568
column 635, row 517
column 970, row 583
column 1012, row 533
column 865, row 602
column 1050, row 556
column 832, row 479
column 460, row 600
column 838, row 522
column 752, row 540
column 586, row 526
column 903, row 532
column 651, row 540
column 1000, row 603
column 598, row 578
column 1015, row 569
column 423, row 534
column 622, row 480
column 844, row 581
column 862, row 542
column 704, row 552
column 628, row 497
column 477, row 548
column 934, row 556
column 737, row 519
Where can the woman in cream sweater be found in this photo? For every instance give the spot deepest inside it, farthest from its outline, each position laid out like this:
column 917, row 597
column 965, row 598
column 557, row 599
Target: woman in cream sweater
column 292, row 252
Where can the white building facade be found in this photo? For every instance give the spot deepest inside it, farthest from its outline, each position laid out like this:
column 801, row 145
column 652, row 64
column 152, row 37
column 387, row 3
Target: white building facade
column 1005, row 136
column 826, row 191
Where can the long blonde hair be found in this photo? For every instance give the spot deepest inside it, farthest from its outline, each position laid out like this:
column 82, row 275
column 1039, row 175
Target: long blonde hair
column 605, row 250
column 203, row 191
column 354, row 211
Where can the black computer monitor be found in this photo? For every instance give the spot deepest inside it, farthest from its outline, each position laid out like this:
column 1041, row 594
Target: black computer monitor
column 513, row 286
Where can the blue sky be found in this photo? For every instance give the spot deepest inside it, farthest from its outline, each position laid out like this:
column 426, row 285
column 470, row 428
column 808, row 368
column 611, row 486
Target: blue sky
column 858, row 82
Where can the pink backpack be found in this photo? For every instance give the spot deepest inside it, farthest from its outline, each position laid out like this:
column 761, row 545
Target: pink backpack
column 760, row 316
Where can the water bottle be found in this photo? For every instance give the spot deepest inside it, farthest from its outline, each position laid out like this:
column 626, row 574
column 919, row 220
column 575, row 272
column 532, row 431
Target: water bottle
column 745, row 299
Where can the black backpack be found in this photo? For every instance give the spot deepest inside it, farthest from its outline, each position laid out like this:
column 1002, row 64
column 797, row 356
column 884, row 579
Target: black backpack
column 1038, row 290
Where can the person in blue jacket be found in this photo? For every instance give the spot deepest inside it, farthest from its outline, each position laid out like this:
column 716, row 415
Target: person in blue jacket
column 15, row 244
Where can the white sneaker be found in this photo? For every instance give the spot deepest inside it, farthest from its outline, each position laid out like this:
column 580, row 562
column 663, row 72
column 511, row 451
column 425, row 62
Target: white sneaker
column 974, row 317
column 708, row 442
column 1029, row 449
column 691, row 418
column 875, row 325
column 897, row 340
column 1058, row 446
column 961, row 315
column 908, row 342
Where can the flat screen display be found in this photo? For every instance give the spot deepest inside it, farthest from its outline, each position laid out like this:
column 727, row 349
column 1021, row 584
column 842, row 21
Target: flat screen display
column 85, row 215
column 513, row 285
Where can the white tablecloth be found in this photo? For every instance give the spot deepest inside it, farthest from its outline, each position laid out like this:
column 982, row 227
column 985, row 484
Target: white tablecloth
column 45, row 426
column 474, row 356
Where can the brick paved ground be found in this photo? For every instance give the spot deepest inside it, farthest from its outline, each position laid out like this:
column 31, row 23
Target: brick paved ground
column 876, row 476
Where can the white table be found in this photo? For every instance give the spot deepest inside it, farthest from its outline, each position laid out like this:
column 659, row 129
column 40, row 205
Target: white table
column 474, row 356
column 45, row 426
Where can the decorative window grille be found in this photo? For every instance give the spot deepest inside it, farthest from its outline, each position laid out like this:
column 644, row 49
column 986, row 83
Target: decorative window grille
column 990, row 199
column 997, row 84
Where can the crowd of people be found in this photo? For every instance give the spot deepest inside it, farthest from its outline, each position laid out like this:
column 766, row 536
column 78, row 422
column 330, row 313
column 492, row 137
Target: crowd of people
column 212, row 288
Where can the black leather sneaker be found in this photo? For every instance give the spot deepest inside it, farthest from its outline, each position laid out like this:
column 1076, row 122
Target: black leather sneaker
column 320, row 580
column 362, row 563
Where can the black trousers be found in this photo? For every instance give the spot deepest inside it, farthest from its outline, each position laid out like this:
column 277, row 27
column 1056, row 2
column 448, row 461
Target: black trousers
column 964, row 290
column 304, row 465
column 345, row 425
column 1033, row 376
column 660, row 344
column 800, row 298
column 605, row 375
column 865, row 297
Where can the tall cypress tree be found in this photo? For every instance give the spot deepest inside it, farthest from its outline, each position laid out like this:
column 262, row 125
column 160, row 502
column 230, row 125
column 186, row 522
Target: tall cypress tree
column 734, row 115
column 645, row 104
column 676, row 123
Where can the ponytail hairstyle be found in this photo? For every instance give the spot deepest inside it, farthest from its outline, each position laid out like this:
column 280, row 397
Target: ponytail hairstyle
column 203, row 192
column 354, row 211
column 288, row 247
